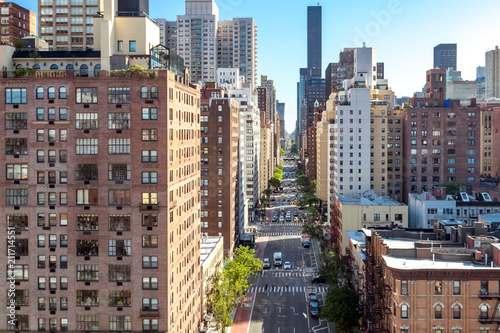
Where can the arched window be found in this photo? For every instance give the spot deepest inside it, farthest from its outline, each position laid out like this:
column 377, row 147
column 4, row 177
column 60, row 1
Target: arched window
column 438, row 311
column 39, row 93
column 69, row 67
column 154, row 92
column 62, row 92
column 54, row 67
column 144, row 92
column 456, row 311
column 36, row 67
column 404, row 311
column 51, row 93
column 19, row 66
column 484, row 311
column 96, row 70
column 84, row 70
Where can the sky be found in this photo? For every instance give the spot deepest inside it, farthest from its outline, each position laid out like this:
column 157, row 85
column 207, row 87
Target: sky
column 404, row 32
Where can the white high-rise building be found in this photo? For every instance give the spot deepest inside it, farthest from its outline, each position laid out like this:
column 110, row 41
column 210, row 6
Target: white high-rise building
column 492, row 82
column 197, row 39
column 207, row 44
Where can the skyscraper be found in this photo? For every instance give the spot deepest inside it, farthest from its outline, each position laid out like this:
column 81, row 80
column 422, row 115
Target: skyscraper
column 492, row 81
column 68, row 25
column 313, row 37
column 445, row 56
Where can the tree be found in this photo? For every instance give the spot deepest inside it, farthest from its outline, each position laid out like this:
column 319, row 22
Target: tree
column 275, row 182
column 231, row 285
column 302, row 180
column 267, row 192
column 341, row 307
column 312, row 187
column 294, row 150
column 278, row 175
column 18, row 44
column 265, row 200
column 282, row 152
column 454, row 188
column 280, row 166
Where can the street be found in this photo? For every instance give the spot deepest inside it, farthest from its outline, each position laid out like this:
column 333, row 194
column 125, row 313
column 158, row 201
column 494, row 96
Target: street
column 281, row 296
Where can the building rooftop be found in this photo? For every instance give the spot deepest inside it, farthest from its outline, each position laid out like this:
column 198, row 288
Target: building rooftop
column 357, row 237
column 367, row 199
column 429, row 264
column 491, row 217
column 57, row 54
column 452, row 222
column 207, row 246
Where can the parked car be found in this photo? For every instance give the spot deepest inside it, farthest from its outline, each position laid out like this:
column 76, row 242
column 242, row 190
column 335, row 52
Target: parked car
column 267, row 263
column 318, row 279
column 306, row 244
column 314, row 309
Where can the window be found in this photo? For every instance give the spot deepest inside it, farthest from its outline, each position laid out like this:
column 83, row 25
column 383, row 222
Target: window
column 87, row 146
column 144, row 93
column 52, row 114
column 40, row 135
column 119, row 247
column 86, row 247
column 119, row 197
column 20, row 272
column 86, row 121
column 456, row 311
column 150, row 220
column 87, row 297
column 18, row 222
column 86, row 95
column 86, row 172
column 150, row 177
column 132, row 46
column 154, row 92
column 404, row 287
column 17, row 171
column 149, row 113
column 118, row 95
column 16, row 146
column 119, row 120
column 119, row 146
column 87, row 222
column 149, row 240
column 150, row 134
column 120, row 323
column 62, row 93
column 149, row 304
column 15, row 96
column 438, row 288
column 119, row 46
column 484, row 311
column 39, row 93
column 87, row 197
column 21, row 297
column 149, row 156
column 16, row 121
column 87, row 322
column 149, row 283
column 119, row 273
column 87, row 272
column 51, row 93
column 119, row 172
column 119, row 298
column 456, row 287
column 404, row 311
column 149, row 262
column 84, row 69
column 150, row 325
column 438, row 311
column 150, row 198
column 119, row 222
column 16, row 197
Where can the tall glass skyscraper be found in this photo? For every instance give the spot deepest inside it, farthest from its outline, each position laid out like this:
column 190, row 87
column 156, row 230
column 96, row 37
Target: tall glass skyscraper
column 313, row 37
column 445, row 56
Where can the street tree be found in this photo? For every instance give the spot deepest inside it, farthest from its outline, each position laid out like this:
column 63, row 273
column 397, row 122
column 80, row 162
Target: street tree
column 267, row 192
column 282, row 152
column 341, row 307
column 275, row 182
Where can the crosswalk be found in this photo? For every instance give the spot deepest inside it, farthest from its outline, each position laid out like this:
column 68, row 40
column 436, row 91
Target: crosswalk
column 283, row 274
column 284, row 289
column 286, row 233
column 289, row 224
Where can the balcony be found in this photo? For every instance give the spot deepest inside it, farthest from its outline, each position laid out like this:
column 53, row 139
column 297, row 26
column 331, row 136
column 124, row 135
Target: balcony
column 485, row 295
column 486, row 320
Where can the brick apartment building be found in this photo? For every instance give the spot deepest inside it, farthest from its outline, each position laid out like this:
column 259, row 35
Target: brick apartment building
column 416, row 283
column 16, row 22
column 311, row 165
column 102, row 190
column 219, row 164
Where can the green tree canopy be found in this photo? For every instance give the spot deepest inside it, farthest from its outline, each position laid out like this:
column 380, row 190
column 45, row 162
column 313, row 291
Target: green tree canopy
column 278, row 175
column 341, row 307
column 302, row 180
column 267, row 192
column 294, row 150
column 282, row 152
column 453, row 188
column 274, row 182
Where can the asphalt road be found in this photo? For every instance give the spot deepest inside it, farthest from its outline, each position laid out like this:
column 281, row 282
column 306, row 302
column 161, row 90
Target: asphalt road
column 283, row 307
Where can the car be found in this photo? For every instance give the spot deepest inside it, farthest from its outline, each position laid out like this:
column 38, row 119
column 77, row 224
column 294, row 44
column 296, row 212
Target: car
column 295, row 213
column 273, row 199
column 287, row 265
column 306, row 244
column 313, row 297
column 275, row 218
column 267, row 263
column 282, row 219
column 289, row 219
column 314, row 309
column 318, row 279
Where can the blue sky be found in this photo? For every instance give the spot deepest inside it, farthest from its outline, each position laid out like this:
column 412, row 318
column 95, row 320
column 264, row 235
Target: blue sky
column 403, row 31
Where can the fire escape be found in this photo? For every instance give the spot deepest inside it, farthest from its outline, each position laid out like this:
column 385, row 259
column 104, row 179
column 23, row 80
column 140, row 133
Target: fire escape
column 494, row 319
column 378, row 296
